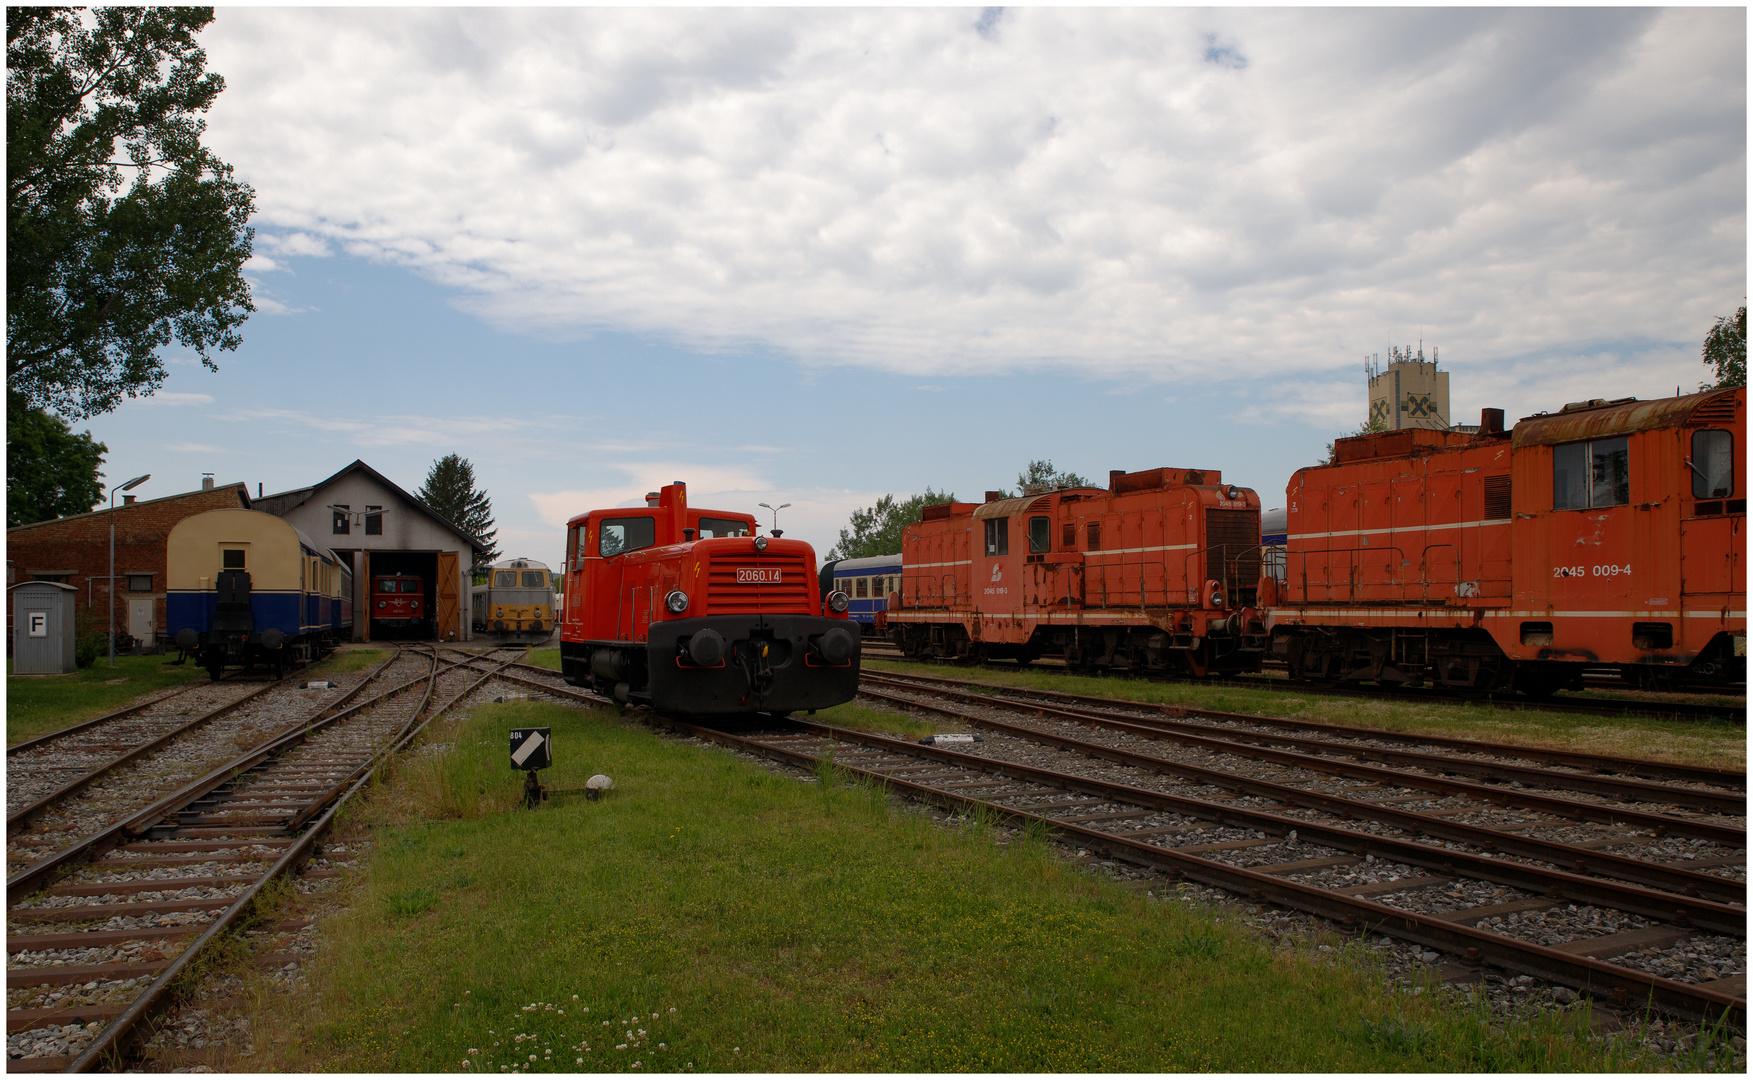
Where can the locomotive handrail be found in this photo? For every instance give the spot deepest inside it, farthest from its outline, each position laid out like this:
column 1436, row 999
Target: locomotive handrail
column 1352, row 584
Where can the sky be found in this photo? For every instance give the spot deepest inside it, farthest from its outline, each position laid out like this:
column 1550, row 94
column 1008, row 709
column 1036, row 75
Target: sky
column 814, row 256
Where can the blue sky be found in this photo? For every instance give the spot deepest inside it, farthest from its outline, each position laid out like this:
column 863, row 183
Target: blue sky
column 814, row 256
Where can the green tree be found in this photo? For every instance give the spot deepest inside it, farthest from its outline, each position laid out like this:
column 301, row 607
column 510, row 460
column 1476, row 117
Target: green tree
column 99, row 279
column 50, row 471
column 1725, row 351
column 876, row 530
column 450, row 490
column 1375, row 425
column 1041, row 477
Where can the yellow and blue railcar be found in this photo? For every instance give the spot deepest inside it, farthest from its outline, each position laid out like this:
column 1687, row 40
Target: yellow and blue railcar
column 515, row 604
column 248, row 588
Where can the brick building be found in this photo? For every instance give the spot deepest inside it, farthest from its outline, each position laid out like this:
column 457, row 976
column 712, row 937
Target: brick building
column 76, row 551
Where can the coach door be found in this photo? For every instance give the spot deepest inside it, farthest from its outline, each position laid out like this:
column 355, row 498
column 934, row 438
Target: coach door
column 447, row 625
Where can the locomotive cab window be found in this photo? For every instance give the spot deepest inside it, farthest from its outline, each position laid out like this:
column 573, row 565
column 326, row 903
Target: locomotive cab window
column 1590, row 475
column 621, row 535
column 1713, row 464
column 504, row 579
column 711, row 527
column 1040, row 535
column 998, row 536
column 532, row 579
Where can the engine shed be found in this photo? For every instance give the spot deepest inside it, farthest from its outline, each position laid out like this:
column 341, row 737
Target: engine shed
column 364, row 517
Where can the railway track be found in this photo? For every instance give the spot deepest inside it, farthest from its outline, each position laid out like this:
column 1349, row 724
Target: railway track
column 1735, row 712
column 100, row 928
column 1542, row 873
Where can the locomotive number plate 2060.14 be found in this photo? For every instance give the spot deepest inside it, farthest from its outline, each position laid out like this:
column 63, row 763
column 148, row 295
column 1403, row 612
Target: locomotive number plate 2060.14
column 757, row 576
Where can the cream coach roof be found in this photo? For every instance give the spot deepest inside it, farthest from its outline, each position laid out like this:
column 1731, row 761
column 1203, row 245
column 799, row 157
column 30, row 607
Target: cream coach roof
column 273, row 549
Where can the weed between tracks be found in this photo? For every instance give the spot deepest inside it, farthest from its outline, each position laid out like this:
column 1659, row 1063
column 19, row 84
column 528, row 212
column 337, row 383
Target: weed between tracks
column 711, row 915
column 1713, row 743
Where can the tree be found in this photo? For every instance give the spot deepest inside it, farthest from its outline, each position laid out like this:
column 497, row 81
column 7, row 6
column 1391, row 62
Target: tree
column 450, row 490
column 1041, row 477
column 98, row 279
column 50, row 471
column 877, row 530
column 1725, row 350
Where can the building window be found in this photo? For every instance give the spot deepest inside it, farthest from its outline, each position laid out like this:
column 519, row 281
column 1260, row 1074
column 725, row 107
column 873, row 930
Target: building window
column 374, row 521
column 1592, row 474
column 998, row 536
column 343, row 520
column 139, row 582
column 60, row 579
column 1713, row 464
column 233, row 559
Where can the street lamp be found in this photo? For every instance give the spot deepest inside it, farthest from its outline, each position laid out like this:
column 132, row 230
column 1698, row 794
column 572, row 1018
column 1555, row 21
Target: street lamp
column 129, row 486
column 775, row 509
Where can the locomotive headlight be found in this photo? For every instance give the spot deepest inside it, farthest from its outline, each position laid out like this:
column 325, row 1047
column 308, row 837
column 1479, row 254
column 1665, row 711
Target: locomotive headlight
column 1234, row 492
column 760, row 543
column 383, row 603
column 676, row 601
column 838, row 601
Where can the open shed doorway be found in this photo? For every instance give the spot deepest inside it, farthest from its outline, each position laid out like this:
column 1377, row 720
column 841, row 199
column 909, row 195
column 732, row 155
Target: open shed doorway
column 422, row 565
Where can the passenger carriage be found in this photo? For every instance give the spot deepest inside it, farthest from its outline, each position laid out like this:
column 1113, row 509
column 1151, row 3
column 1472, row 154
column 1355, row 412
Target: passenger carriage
column 248, row 588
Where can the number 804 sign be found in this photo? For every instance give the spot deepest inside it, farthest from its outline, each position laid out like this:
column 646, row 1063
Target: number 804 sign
column 531, row 748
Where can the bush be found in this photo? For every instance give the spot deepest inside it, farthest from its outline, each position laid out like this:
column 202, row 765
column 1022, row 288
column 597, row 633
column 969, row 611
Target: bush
column 88, row 646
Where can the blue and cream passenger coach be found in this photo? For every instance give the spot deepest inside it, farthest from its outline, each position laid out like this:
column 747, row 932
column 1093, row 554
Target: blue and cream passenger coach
column 248, row 588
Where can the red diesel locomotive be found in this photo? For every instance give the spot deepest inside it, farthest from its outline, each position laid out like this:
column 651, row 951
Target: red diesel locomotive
column 689, row 611
column 397, row 606
column 1157, row 573
column 1608, row 534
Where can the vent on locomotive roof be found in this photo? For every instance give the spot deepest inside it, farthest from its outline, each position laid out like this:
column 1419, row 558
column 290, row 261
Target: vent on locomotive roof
column 1717, row 410
column 1038, row 504
column 1497, row 497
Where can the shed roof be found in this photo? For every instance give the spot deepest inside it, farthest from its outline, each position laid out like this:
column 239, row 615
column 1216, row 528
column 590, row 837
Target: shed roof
column 296, row 497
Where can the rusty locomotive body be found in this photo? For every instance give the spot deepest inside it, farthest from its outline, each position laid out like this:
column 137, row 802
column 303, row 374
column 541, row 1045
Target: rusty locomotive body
column 689, row 611
column 1609, row 534
column 1157, row 573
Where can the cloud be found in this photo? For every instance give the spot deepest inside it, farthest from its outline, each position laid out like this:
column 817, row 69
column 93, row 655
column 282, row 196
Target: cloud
column 397, row 430
column 167, row 398
column 1156, row 194
column 198, row 448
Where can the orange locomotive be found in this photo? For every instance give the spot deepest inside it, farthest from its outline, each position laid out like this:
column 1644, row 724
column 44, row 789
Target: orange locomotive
column 1156, row 573
column 1609, row 534
column 688, row 611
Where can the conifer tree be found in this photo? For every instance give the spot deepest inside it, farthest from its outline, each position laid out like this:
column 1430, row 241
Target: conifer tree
column 450, row 490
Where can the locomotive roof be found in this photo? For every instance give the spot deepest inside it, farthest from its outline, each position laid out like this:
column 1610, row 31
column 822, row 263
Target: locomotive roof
column 1598, row 419
column 518, row 564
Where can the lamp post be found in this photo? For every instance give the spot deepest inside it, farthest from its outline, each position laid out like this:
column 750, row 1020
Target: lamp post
column 129, row 486
column 775, row 509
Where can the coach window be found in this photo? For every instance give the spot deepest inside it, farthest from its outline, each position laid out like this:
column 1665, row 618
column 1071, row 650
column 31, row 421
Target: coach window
column 861, row 587
column 374, row 521
column 621, row 535
column 998, row 536
column 232, row 559
column 1040, row 535
column 343, row 520
column 710, row 527
column 1713, row 464
column 504, row 579
column 1592, row 474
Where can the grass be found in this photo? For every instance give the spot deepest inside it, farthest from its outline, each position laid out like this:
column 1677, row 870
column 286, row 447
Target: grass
column 548, row 658
column 1718, row 744
column 38, row 705
column 709, row 915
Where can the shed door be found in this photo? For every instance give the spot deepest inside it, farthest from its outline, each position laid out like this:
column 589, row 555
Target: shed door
column 447, row 626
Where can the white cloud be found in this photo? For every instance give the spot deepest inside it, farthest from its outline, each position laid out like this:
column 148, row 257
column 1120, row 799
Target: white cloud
column 167, row 398
column 1159, row 193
